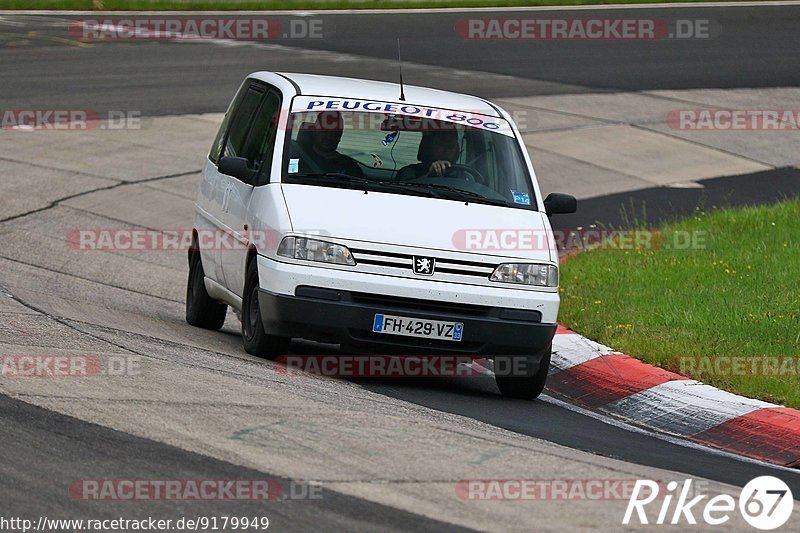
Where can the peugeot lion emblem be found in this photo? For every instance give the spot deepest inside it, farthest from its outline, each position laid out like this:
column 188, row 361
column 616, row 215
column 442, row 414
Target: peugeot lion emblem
column 424, row 265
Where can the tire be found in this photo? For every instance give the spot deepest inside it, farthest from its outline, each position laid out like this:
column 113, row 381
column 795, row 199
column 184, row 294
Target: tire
column 255, row 339
column 201, row 310
column 525, row 387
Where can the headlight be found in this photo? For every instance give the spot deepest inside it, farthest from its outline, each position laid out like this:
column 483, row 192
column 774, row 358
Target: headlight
column 527, row 274
column 314, row 250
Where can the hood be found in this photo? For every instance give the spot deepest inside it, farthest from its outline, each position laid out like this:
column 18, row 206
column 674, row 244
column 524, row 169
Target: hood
column 419, row 222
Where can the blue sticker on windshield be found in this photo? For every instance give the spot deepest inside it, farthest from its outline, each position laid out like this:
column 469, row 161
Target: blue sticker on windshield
column 389, row 139
column 521, row 197
column 293, row 166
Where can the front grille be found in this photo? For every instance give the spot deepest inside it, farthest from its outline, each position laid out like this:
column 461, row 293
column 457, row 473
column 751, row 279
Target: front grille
column 404, row 263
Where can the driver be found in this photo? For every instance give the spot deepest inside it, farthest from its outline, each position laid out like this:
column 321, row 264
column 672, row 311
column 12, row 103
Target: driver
column 438, row 150
column 322, row 155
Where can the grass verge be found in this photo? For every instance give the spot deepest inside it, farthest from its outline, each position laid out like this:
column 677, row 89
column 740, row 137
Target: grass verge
column 253, row 5
column 726, row 311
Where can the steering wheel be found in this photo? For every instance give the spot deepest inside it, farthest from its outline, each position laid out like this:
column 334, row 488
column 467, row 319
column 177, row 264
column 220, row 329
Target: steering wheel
column 471, row 174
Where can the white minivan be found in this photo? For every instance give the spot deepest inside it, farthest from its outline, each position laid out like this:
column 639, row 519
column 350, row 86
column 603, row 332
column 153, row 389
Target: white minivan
column 367, row 214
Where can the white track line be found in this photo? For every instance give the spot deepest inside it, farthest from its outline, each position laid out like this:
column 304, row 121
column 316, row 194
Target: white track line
column 572, row 349
column 683, row 407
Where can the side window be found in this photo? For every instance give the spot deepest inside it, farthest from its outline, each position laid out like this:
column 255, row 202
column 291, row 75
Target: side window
column 216, row 148
column 260, row 142
column 240, row 124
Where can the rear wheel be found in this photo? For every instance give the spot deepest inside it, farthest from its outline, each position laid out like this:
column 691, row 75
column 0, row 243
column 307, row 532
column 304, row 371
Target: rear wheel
column 201, row 310
column 255, row 339
column 526, row 386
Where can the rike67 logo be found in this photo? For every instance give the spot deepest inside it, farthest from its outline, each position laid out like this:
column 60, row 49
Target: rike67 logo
column 766, row 503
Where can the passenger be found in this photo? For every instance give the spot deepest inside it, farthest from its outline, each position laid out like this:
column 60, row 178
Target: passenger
column 319, row 153
column 438, row 150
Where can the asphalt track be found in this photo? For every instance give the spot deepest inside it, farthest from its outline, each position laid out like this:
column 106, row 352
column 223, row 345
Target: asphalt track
column 57, row 448
column 655, row 205
column 45, row 450
column 751, row 47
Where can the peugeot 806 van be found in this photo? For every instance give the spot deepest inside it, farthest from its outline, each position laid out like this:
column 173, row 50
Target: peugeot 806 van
column 367, row 214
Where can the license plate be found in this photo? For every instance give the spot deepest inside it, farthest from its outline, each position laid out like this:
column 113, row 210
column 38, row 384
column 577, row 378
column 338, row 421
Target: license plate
column 418, row 327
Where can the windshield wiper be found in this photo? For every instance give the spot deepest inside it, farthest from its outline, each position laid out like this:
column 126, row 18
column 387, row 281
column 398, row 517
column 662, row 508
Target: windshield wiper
column 364, row 181
column 337, row 175
column 431, row 189
column 477, row 197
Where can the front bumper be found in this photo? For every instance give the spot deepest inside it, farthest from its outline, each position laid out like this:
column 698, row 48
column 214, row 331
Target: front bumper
column 346, row 318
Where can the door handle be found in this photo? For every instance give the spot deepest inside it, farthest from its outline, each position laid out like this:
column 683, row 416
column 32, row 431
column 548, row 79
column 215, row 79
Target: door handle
column 226, row 199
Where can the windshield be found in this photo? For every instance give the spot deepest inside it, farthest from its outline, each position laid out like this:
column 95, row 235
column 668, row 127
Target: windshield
column 406, row 150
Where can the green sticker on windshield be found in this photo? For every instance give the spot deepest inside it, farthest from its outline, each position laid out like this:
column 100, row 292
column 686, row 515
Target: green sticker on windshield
column 294, row 165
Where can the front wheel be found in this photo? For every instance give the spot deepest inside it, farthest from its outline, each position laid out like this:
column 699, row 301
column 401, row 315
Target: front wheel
column 255, row 339
column 522, row 385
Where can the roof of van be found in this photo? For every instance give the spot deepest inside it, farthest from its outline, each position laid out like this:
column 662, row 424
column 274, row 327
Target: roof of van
column 317, row 85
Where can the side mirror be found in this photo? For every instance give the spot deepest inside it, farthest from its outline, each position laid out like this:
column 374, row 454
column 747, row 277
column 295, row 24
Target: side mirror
column 237, row 167
column 558, row 203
